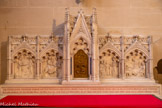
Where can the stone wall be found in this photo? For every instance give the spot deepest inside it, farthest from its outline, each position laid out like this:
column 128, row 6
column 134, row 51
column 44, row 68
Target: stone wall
column 42, row 17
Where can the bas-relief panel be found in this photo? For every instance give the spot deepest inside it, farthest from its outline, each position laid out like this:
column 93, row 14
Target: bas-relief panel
column 109, row 65
column 51, row 64
column 24, row 64
column 135, row 64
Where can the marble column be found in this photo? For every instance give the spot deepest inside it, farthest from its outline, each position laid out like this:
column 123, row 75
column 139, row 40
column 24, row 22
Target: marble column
column 122, row 60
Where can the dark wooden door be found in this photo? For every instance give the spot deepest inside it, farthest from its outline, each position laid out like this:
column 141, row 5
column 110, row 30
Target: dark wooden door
column 80, row 65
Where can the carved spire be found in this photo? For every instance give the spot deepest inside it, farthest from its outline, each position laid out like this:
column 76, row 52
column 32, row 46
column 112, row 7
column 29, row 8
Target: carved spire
column 94, row 16
column 149, row 39
column 94, row 23
column 67, row 15
column 67, row 23
column 108, row 37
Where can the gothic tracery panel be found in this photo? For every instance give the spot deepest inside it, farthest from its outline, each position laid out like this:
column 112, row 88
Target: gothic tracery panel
column 80, row 44
column 24, row 64
column 22, row 41
column 141, row 41
column 115, row 41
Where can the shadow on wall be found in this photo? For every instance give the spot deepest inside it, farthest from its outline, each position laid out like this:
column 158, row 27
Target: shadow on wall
column 78, row 1
column 3, row 62
column 57, row 30
column 159, row 66
column 158, row 72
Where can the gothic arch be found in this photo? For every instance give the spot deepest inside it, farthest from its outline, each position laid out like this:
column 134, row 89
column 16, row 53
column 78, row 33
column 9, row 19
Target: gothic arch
column 22, row 47
column 138, row 46
column 107, row 46
column 48, row 49
column 80, row 35
column 135, row 49
column 78, row 44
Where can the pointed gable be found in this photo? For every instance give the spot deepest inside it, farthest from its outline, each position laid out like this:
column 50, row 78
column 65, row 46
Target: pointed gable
column 80, row 26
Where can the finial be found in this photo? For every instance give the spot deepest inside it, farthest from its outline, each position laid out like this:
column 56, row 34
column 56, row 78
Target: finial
column 136, row 36
column 52, row 37
column 80, row 11
column 24, row 38
column 66, row 15
column 94, row 10
column 149, row 39
column 94, row 15
column 108, row 36
column 66, row 11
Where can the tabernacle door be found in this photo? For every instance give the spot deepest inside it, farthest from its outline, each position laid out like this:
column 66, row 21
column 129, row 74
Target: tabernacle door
column 80, row 65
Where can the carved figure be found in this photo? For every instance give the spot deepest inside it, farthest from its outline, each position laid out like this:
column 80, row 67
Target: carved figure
column 114, row 67
column 129, row 66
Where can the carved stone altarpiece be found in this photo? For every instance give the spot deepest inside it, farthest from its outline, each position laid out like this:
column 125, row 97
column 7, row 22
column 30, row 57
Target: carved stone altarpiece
column 80, row 53
column 81, row 56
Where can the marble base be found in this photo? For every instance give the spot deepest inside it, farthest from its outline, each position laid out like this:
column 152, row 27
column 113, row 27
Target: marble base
column 101, row 89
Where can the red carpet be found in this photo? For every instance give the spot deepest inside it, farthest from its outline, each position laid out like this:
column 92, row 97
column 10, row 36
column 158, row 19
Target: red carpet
column 84, row 101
